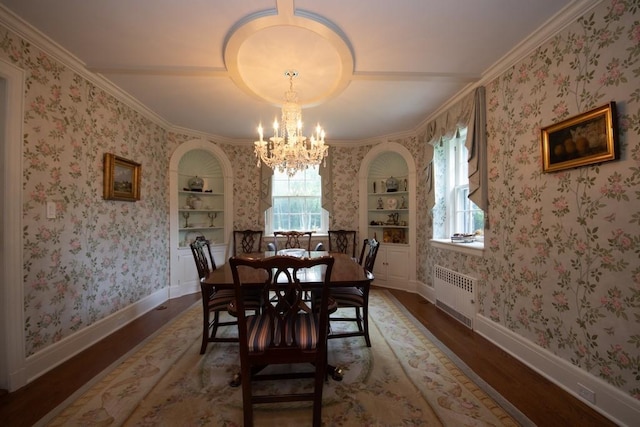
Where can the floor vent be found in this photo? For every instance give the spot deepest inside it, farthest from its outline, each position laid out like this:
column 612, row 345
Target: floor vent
column 455, row 294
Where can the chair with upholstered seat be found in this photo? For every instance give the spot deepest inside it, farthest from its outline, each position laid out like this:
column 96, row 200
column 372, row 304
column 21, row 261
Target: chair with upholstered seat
column 356, row 297
column 293, row 239
column 247, row 241
column 286, row 332
column 214, row 301
column 343, row 241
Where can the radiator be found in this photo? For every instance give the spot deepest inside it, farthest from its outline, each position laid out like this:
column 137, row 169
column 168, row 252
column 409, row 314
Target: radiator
column 455, row 294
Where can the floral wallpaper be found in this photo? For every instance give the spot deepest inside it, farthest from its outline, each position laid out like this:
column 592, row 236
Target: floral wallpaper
column 96, row 257
column 560, row 267
column 561, row 262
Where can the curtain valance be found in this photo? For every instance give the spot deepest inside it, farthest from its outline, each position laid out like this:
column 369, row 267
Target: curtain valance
column 324, row 170
column 470, row 113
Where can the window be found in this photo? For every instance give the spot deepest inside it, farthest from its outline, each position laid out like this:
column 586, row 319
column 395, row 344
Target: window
column 454, row 212
column 296, row 203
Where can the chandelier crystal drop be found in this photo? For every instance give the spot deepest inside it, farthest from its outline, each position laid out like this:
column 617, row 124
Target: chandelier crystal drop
column 288, row 150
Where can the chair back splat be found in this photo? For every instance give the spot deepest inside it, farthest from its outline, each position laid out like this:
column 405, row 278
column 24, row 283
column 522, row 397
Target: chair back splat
column 293, row 239
column 286, row 331
column 201, row 250
column 247, row 241
column 343, row 241
column 372, row 253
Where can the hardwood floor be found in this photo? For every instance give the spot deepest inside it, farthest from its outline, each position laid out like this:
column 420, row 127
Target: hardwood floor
column 26, row 406
column 540, row 400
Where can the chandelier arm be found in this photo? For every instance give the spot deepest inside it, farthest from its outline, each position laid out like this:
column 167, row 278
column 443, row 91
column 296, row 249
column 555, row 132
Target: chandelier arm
column 291, row 151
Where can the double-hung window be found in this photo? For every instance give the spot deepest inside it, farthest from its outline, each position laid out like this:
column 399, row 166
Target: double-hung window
column 296, row 202
column 455, row 212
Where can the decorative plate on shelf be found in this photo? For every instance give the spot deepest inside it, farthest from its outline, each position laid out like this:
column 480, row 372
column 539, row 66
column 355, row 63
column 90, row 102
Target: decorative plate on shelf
column 392, row 203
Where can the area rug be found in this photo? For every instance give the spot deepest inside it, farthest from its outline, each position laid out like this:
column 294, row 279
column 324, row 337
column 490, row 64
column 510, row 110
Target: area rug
column 406, row 378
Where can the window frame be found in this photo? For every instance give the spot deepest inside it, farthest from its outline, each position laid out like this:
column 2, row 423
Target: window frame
column 269, row 213
column 456, row 172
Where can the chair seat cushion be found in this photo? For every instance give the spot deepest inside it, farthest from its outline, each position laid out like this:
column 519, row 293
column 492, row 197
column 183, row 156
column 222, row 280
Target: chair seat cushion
column 332, row 304
column 260, row 331
column 220, row 299
column 252, row 302
column 348, row 297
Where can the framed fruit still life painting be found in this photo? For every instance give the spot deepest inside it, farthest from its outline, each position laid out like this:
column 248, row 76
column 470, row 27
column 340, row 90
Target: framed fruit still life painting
column 586, row 139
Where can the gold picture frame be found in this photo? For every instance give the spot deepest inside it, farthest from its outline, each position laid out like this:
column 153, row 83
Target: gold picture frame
column 582, row 140
column 121, row 178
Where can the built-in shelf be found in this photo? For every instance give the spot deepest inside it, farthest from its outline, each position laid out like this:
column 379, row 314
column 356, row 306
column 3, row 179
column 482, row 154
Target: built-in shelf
column 197, row 207
column 390, row 215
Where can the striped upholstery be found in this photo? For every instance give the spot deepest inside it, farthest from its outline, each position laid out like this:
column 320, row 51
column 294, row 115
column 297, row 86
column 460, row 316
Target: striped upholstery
column 220, row 299
column 348, row 297
column 252, row 302
column 260, row 327
column 288, row 330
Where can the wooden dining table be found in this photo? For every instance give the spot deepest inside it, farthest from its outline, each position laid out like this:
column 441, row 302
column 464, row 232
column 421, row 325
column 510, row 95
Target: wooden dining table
column 346, row 272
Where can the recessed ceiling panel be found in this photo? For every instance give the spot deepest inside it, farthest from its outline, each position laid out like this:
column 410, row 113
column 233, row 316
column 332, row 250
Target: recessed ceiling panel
column 217, row 66
column 264, row 57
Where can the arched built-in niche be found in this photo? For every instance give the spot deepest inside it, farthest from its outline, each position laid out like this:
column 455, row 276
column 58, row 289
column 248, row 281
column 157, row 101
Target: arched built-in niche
column 206, row 160
column 395, row 265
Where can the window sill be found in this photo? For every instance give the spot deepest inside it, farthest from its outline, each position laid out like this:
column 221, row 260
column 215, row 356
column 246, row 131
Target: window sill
column 473, row 248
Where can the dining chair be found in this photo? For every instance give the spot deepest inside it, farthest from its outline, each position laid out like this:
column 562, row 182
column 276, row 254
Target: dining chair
column 287, row 331
column 247, row 241
column 293, row 239
column 356, row 297
column 213, row 301
column 343, row 241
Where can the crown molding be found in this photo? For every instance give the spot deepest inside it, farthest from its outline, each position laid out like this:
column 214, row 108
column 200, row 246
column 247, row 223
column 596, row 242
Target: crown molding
column 29, row 33
column 554, row 25
column 546, row 31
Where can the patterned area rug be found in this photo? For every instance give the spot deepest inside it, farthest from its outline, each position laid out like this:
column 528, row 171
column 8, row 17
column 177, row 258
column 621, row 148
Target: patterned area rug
column 406, row 378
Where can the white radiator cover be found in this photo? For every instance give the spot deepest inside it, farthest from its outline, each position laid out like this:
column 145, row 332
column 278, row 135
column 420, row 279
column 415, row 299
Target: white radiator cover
column 455, row 294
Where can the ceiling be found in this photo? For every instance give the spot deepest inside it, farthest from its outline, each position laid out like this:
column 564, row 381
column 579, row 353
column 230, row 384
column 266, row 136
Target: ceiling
column 367, row 68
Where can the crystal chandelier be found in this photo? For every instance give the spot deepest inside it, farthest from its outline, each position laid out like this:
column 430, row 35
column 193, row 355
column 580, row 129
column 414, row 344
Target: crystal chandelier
column 288, row 150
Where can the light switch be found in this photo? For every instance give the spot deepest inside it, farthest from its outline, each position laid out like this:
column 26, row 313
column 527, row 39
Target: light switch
column 51, row 210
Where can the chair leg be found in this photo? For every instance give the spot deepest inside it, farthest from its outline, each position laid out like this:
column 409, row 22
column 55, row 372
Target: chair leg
column 247, row 399
column 205, row 332
column 359, row 319
column 317, row 400
column 215, row 323
column 365, row 315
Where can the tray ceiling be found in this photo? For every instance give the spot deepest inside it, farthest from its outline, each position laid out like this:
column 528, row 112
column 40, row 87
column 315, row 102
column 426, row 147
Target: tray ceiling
column 367, row 69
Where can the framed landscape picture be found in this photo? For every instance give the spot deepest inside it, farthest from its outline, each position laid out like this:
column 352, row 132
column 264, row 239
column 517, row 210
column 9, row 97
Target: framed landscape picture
column 121, row 179
column 588, row 138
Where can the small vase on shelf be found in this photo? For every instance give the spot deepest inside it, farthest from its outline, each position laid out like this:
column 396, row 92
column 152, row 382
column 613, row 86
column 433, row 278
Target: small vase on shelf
column 196, row 183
